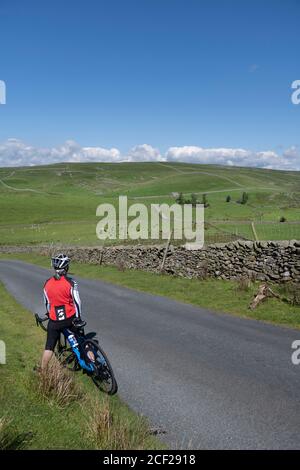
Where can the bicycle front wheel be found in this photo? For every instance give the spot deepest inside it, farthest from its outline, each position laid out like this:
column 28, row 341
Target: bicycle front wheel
column 103, row 377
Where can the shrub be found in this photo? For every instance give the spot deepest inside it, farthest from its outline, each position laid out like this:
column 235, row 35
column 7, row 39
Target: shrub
column 180, row 199
column 120, row 264
column 194, row 200
column 204, row 200
column 282, row 219
column 203, row 269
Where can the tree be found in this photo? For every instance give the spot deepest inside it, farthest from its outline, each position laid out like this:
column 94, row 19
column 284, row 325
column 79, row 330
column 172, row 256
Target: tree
column 228, row 199
column 204, row 200
column 180, row 200
column 194, row 200
column 244, row 199
column 282, row 219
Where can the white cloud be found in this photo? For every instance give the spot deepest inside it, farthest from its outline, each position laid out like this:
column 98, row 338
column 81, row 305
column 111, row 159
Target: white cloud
column 289, row 160
column 292, row 154
column 144, row 153
column 14, row 152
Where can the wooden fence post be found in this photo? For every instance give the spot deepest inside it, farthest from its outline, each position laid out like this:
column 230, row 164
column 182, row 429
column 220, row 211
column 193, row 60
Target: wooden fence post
column 102, row 252
column 166, row 251
column 254, row 231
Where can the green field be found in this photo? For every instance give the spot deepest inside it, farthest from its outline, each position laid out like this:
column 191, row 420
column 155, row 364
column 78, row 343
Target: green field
column 57, row 203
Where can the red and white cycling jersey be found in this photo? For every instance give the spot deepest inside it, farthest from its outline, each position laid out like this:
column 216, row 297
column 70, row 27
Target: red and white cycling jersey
column 62, row 298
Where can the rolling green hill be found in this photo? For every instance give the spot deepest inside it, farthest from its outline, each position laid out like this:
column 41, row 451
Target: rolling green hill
column 57, row 203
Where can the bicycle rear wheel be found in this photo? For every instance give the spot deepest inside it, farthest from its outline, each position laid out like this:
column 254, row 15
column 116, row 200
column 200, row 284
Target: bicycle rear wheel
column 103, row 377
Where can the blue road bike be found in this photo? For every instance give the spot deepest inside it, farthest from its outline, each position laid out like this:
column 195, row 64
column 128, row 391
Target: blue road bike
column 79, row 351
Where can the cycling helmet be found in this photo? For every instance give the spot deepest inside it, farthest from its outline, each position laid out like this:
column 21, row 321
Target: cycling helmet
column 60, row 263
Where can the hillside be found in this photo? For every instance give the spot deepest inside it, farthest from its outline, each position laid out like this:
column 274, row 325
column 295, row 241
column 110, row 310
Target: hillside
column 57, row 203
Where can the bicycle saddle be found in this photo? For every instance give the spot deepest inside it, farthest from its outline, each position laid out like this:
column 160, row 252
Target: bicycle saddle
column 79, row 323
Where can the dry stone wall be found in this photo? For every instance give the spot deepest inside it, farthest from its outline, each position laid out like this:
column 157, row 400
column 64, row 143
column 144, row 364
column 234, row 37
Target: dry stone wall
column 266, row 261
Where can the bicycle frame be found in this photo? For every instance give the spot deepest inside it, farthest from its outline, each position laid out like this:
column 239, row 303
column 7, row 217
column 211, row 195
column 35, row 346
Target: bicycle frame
column 74, row 346
column 89, row 367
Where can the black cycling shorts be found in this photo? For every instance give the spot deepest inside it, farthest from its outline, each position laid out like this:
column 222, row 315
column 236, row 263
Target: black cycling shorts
column 55, row 328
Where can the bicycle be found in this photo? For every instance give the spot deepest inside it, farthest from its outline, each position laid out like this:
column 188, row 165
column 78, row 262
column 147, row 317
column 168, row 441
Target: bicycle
column 78, row 351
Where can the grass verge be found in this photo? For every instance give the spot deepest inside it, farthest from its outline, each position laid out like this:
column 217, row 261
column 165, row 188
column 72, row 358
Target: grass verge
column 218, row 295
column 78, row 416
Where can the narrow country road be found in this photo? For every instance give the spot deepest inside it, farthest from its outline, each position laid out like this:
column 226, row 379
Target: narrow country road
column 209, row 380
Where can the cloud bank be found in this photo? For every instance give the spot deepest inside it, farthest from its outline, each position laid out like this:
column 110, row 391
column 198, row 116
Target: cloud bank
column 14, row 152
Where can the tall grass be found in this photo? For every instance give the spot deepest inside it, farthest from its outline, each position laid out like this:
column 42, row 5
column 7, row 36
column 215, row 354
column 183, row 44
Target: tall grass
column 10, row 439
column 56, row 384
column 243, row 284
column 107, row 430
column 291, row 292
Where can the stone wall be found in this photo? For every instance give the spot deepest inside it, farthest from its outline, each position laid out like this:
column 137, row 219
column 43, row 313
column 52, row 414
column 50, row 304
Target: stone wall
column 270, row 261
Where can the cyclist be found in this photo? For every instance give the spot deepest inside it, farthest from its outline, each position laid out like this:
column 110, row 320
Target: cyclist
column 62, row 303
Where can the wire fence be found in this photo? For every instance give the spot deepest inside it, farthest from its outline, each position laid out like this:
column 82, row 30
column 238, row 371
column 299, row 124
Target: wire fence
column 230, row 231
column 216, row 231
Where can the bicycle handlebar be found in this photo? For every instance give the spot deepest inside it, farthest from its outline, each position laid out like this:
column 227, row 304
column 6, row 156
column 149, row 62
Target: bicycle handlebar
column 39, row 321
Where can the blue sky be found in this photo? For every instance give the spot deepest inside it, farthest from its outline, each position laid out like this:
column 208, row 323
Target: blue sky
column 149, row 75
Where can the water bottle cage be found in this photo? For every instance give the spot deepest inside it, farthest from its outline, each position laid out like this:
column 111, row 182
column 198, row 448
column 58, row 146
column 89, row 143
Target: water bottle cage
column 72, row 341
column 77, row 351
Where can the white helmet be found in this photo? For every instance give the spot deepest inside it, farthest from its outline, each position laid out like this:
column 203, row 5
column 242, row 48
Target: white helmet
column 60, row 263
